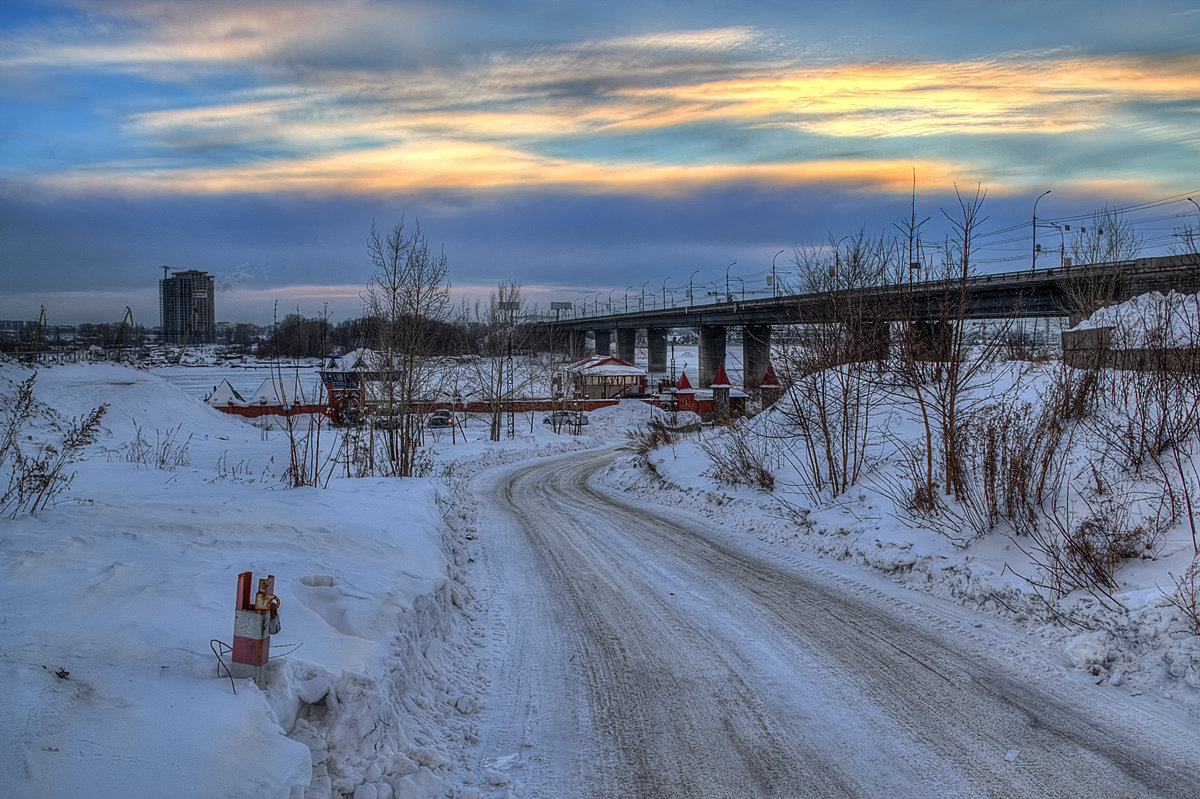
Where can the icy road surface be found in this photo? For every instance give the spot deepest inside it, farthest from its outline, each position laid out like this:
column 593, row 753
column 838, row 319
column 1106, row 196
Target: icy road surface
column 641, row 655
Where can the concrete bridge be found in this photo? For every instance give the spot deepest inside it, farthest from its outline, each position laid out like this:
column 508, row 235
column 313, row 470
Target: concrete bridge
column 1024, row 294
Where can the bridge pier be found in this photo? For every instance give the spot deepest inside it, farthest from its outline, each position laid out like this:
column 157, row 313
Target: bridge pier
column 656, row 350
column 712, row 353
column 603, row 342
column 869, row 341
column 626, row 345
column 756, row 354
column 576, row 345
column 931, row 341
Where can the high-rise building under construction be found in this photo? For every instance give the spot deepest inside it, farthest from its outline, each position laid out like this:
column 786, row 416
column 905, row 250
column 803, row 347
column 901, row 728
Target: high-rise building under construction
column 188, row 314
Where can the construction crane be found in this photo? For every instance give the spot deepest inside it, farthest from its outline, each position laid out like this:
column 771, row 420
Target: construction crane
column 186, row 332
column 37, row 333
column 126, row 320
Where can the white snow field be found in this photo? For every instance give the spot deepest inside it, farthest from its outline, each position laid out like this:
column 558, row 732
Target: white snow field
column 546, row 618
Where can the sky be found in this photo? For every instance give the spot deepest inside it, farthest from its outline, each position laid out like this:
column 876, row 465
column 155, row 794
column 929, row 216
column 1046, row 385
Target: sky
column 592, row 152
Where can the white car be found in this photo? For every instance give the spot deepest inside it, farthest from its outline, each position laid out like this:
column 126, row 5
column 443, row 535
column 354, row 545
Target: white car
column 565, row 418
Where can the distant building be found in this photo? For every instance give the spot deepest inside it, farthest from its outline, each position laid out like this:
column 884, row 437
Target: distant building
column 186, row 304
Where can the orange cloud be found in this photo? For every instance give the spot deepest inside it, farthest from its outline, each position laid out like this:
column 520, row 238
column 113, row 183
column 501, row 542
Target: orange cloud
column 474, row 166
column 1042, row 95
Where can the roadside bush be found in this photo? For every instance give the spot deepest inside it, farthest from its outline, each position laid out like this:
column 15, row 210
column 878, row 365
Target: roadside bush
column 643, row 440
column 1084, row 551
column 1187, row 595
column 1014, row 460
column 36, row 478
column 739, row 457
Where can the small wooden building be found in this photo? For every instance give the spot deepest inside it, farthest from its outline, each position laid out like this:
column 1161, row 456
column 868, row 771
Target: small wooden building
column 605, row 377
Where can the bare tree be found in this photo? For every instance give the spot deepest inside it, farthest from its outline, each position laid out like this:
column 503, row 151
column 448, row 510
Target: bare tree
column 938, row 361
column 831, row 366
column 409, row 296
column 1103, row 245
column 497, row 375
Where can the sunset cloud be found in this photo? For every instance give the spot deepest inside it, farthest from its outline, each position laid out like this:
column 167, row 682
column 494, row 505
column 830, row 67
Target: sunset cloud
column 699, row 128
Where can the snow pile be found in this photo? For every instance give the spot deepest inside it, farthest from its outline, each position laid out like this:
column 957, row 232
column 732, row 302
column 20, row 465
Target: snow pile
column 1153, row 319
column 110, row 598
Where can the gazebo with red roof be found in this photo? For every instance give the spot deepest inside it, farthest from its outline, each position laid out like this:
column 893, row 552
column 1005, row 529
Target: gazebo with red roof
column 770, row 388
column 685, row 395
column 720, row 392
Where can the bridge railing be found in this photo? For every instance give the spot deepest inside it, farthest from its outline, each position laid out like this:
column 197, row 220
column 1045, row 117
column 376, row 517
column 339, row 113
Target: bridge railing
column 1147, row 268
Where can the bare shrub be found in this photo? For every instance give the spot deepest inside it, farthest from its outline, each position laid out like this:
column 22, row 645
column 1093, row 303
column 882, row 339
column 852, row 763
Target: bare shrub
column 829, row 411
column 240, row 472
column 1186, row 596
column 919, row 504
column 1083, row 550
column 649, row 437
column 739, row 457
column 1013, row 461
column 166, row 453
column 37, row 478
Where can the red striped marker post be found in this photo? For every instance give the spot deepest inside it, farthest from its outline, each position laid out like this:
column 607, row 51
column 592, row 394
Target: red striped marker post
column 252, row 627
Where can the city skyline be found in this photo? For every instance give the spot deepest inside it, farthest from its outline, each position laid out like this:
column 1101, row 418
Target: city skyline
column 579, row 150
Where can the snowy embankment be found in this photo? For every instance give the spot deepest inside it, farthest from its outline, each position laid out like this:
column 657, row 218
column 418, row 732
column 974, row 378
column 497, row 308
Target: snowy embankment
column 110, row 598
column 1136, row 637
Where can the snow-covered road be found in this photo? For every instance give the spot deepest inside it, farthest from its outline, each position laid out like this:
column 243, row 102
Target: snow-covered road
column 638, row 654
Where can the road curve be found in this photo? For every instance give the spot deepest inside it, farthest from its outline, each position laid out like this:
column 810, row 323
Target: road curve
column 640, row 656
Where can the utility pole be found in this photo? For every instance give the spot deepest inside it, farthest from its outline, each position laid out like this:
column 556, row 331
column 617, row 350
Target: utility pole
column 1033, row 260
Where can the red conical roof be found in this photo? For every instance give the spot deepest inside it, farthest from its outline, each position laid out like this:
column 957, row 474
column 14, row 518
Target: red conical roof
column 684, row 383
column 720, row 379
column 769, row 379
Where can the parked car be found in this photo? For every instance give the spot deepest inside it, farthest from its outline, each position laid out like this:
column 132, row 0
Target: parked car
column 441, row 418
column 565, row 418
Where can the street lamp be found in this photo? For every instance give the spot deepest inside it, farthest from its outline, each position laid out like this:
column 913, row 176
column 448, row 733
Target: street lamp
column 642, row 307
column 691, row 297
column 665, row 279
column 1033, row 260
column 739, row 280
column 727, row 294
column 627, row 288
column 837, row 254
column 774, row 280
column 1062, row 243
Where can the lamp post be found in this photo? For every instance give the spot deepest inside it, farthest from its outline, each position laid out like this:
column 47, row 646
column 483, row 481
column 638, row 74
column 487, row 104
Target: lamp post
column 739, row 280
column 691, row 296
column 1193, row 202
column 727, row 294
column 642, row 307
column 1062, row 243
column 665, row 279
column 774, row 280
column 1033, row 260
column 837, row 255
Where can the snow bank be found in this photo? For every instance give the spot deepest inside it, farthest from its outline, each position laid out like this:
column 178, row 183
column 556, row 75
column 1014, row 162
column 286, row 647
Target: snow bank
column 111, row 596
column 1153, row 319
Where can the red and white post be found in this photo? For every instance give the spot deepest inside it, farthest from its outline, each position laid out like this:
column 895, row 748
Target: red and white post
column 255, row 617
